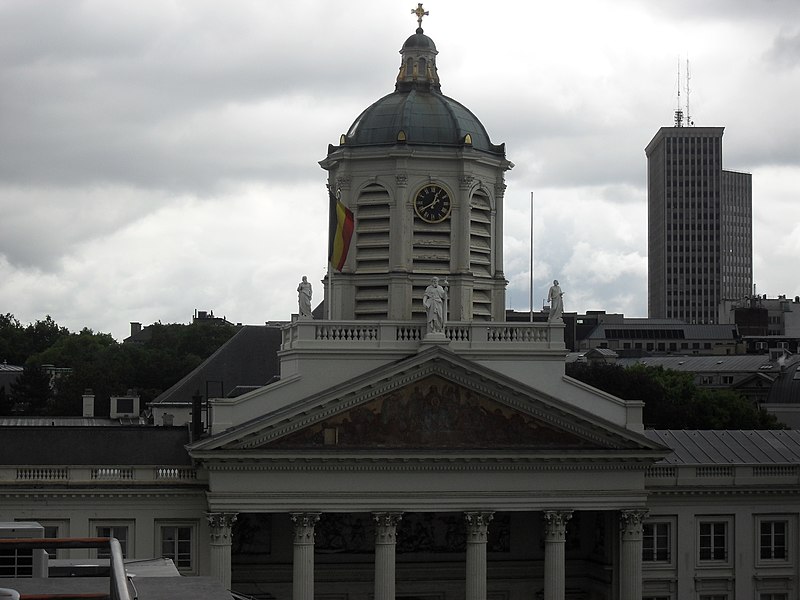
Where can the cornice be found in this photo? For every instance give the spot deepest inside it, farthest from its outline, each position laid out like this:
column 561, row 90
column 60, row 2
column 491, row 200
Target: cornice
column 426, row 464
column 50, row 494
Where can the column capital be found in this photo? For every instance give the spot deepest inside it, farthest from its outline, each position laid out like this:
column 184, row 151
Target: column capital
column 220, row 524
column 555, row 525
column 386, row 526
column 478, row 525
column 630, row 522
column 304, row 526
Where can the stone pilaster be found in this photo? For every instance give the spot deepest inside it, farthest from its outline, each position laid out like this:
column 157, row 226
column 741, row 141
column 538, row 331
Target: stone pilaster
column 630, row 554
column 555, row 533
column 220, row 525
column 385, row 546
column 303, row 565
column 477, row 534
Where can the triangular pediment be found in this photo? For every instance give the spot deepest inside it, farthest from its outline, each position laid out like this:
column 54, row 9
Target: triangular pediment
column 431, row 413
column 434, row 401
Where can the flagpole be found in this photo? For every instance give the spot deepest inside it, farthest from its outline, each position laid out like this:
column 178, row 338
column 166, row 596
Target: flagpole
column 531, row 284
column 330, row 292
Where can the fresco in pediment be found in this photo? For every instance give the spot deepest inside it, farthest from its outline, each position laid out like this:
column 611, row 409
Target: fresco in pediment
column 431, row 413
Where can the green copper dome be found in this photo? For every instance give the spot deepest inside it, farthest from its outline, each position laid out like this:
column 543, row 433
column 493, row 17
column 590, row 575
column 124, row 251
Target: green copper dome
column 417, row 113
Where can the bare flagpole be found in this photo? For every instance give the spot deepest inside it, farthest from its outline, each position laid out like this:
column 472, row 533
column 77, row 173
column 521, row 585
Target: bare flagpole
column 531, row 284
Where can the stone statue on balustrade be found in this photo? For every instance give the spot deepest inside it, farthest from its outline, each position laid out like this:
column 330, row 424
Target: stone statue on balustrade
column 556, row 300
column 435, row 302
column 304, row 298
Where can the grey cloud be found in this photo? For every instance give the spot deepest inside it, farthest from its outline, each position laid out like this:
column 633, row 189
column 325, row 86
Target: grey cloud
column 785, row 50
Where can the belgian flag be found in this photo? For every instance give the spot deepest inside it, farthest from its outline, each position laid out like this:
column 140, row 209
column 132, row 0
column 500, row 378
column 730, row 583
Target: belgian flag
column 341, row 223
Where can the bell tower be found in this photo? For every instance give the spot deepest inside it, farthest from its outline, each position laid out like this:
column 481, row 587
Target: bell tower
column 425, row 185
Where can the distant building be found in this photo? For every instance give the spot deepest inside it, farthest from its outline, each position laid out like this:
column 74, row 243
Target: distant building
column 699, row 226
column 637, row 337
column 750, row 375
column 767, row 325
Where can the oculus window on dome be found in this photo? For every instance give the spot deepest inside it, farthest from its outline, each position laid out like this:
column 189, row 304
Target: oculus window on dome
column 432, row 204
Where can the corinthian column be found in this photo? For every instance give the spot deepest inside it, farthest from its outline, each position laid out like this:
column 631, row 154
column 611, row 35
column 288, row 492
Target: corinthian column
column 220, row 525
column 630, row 554
column 555, row 534
column 303, row 566
column 385, row 544
column 477, row 533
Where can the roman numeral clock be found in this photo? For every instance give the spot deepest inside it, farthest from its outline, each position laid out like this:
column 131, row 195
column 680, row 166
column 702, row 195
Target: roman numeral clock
column 432, row 204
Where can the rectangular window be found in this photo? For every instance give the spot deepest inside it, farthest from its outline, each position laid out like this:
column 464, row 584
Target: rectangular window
column 713, row 541
column 177, row 543
column 778, row 596
column 773, row 540
column 122, row 530
column 656, row 542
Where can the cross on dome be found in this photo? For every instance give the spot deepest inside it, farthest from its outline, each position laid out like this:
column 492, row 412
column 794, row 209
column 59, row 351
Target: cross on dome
column 420, row 12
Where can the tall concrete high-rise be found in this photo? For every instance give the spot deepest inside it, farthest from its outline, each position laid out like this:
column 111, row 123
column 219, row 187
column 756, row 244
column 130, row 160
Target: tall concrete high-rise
column 700, row 222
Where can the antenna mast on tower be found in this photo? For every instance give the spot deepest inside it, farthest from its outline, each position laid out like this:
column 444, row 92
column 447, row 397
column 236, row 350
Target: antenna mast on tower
column 678, row 109
column 689, row 121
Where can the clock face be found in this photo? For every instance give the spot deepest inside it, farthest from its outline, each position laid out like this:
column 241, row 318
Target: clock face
column 432, row 204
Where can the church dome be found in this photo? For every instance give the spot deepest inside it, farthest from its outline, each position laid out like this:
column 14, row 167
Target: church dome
column 417, row 113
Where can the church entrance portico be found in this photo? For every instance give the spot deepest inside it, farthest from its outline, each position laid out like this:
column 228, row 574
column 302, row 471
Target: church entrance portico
column 472, row 554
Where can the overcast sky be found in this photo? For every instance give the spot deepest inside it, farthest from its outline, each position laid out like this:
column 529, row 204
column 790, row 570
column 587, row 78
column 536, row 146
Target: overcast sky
column 161, row 157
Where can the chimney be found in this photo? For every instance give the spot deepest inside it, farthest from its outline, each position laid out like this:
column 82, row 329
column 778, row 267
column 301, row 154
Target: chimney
column 135, row 328
column 88, row 403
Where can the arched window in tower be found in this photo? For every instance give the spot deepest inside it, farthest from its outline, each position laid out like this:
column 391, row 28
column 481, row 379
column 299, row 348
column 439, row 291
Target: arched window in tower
column 423, row 67
column 480, row 254
column 372, row 250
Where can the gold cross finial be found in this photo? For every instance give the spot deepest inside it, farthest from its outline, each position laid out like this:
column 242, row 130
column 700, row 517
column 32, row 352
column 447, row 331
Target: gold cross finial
column 420, row 12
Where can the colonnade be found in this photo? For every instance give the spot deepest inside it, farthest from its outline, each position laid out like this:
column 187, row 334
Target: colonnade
column 477, row 526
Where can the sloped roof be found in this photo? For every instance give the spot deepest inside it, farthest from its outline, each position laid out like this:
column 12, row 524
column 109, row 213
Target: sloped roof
column 624, row 329
column 786, row 388
column 750, row 363
column 249, row 358
column 94, row 446
column 728, row 447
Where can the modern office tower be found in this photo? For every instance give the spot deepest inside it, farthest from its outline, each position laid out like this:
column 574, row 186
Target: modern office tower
column 700, row 249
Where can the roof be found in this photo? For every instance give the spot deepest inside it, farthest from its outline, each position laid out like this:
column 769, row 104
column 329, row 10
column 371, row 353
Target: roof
column 755, row 363
column 94, row 446
column 417, row 113
column 786, row 388
column 66, row 422
column 249, row 358
column 7, row 368
column 728, row 447
column 425, row 117
column 661, row 329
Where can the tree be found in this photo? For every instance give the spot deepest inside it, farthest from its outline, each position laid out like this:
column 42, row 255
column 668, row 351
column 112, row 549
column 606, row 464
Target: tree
column 31, row 393
column 672, row 400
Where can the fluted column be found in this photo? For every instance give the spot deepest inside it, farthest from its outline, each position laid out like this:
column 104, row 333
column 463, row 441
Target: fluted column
column 303, row 565
column 385, row 545
column 221, row 530
column 555, row 535
column 630, row 554
column 477, row 533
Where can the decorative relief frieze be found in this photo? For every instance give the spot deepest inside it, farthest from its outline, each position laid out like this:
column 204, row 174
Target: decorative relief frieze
column 401, row 179
column 465, row 182
column 343, row 182
column 431, row 413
